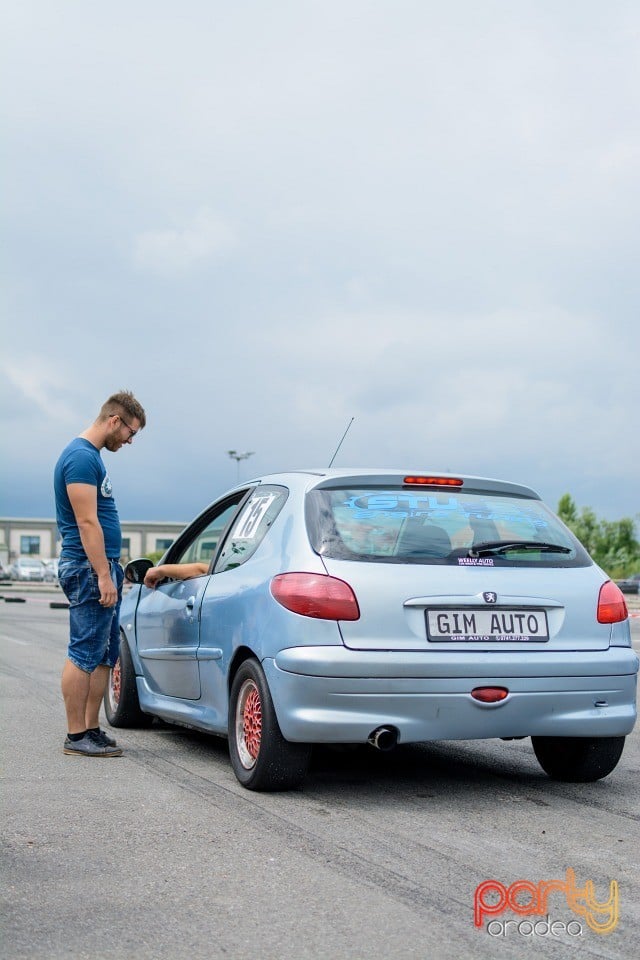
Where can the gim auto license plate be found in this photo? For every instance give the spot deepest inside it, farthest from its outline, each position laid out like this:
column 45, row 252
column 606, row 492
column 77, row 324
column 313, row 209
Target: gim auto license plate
column 483, row 626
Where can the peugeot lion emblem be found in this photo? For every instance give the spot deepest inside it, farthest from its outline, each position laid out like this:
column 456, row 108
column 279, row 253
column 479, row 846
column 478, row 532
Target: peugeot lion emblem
column 490, row 596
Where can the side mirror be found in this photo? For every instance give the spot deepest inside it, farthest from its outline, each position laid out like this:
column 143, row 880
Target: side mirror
column 135, row 570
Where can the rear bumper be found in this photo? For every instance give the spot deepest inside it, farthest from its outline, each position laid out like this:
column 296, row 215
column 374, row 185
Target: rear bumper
column 335, row 695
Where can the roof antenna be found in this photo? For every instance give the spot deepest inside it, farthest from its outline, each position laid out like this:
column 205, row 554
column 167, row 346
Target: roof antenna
column 340, row 444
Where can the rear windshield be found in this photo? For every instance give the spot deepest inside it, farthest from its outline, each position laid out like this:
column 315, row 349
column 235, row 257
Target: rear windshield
column 396, row 525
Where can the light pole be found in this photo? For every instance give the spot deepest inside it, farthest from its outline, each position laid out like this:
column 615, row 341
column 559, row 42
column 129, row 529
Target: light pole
column 238, row 457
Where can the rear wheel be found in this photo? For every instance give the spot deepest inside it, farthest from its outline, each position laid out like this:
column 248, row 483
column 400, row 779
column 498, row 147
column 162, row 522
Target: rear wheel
column 121, row 704
column 578, row 759
column 260, row 756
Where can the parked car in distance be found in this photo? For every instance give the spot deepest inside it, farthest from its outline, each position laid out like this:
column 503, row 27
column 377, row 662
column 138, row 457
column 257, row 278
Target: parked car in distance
column 4, row 572
column 382, row 607
column 27, row 568
column 51, row 570
column 630, row 584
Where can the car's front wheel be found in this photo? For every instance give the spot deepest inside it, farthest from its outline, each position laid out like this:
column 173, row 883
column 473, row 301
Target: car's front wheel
column 578, row 759
column 121, row 704
column 260, row 756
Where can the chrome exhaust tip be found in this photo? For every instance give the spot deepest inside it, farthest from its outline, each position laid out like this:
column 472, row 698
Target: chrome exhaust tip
column 383, row 738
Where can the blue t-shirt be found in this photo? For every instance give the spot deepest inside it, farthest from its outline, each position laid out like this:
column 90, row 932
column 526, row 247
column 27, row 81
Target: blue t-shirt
column 80, row 462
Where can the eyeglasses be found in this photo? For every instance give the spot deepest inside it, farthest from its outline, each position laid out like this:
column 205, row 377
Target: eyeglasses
column 132, row 432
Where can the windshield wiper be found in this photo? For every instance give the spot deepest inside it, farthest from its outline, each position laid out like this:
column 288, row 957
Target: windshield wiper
column 503, row 546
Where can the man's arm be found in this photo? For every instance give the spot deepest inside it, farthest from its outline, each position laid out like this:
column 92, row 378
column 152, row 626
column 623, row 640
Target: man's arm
column 84, row 503
column 174, row 571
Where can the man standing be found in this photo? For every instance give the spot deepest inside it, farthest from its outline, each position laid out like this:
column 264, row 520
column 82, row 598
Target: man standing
column 89, row 571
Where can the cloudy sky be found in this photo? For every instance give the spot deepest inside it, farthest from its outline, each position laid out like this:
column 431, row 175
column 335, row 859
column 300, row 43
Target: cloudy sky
column 266, row 218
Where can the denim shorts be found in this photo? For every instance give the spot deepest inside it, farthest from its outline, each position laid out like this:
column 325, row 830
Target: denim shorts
column 94, row 629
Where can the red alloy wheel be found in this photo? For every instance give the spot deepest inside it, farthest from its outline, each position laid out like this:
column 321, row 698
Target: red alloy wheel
column 261, row 757
column 249, row 724
column 116, row 682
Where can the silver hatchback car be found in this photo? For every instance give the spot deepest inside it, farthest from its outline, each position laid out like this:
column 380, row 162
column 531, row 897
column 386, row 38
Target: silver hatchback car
column 27, row 568
column 355, row 606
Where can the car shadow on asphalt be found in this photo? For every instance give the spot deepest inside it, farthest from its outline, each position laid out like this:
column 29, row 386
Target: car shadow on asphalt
column 431, row 770
column 439, row 765
column 436, row 766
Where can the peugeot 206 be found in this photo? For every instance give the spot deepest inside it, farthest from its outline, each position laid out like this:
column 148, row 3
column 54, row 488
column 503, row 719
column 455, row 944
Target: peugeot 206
column 352, row 606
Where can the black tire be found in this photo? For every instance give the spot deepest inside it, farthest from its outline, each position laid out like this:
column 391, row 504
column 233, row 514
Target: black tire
column 260, row 756
column 578, row 759
column 121, row 704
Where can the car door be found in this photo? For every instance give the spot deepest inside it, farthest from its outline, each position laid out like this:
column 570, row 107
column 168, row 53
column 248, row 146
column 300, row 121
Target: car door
column 235, row 610
column 168, row 617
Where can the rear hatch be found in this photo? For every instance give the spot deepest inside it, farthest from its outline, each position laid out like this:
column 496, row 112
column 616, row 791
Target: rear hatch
column 409, row 607
column 455, row 564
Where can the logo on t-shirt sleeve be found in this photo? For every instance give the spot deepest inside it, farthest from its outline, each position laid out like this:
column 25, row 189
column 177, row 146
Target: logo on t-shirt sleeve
column 106, row 488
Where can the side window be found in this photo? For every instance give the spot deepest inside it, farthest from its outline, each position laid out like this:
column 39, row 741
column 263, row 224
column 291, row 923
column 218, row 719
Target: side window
column 205, row 544
column 251, row 525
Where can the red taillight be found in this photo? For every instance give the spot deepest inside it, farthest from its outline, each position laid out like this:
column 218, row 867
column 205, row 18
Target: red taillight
column 433, row 481
column 612, row 607
column 316, row 595
column 490, row 694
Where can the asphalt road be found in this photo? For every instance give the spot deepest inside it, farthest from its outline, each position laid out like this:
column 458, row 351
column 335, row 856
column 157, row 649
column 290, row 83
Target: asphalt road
column 161, row 855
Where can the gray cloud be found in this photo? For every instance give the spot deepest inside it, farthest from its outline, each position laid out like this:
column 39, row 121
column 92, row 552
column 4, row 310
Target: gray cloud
column 268, row 219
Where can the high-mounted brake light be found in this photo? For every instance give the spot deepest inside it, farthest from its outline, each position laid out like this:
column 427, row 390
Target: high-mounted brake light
column 316, row 595
column 612, row 607
column 434, row 481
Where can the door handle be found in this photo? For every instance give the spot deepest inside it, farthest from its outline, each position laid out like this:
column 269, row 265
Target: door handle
column 190, row 604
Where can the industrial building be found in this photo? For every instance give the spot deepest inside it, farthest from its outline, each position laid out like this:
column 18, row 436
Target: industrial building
column 39, row 538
